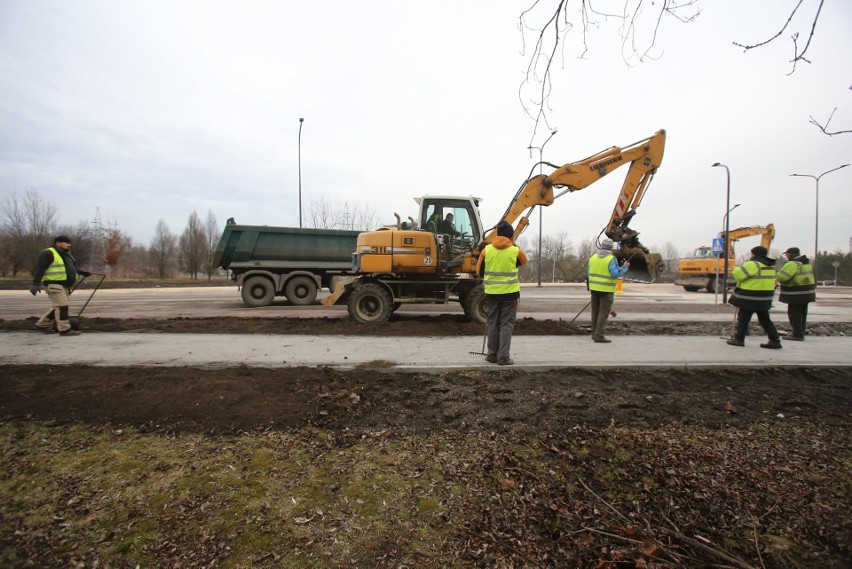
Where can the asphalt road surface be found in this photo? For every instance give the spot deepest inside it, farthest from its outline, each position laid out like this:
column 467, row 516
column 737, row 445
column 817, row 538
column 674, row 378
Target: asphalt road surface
column 639, row 302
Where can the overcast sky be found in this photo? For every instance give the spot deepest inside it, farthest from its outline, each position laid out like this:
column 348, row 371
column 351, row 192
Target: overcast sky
column 155, row 109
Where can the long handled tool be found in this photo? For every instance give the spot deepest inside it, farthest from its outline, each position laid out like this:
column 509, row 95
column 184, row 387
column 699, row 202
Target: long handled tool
column 579, row 313
column 75, row 320
column 482, row 353
column 733, row 326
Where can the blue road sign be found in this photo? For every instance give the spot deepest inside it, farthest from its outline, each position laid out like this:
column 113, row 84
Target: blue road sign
column 718, row 246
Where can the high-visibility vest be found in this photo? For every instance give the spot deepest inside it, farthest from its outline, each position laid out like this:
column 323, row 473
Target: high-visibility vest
column 755, row 285
column 599, row 277
column 797, row 282
column 56, row 271
column 501, row 270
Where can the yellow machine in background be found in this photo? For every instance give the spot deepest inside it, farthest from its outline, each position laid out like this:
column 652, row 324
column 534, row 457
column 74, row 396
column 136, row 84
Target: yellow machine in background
column 428, row 261
column 704, row 269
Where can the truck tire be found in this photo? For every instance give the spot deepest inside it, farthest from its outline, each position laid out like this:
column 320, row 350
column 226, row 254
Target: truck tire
column 370, row 303
column 301, row 290
column 473, row 304
column 258, row 291
column 711, row 286
column 691, row 288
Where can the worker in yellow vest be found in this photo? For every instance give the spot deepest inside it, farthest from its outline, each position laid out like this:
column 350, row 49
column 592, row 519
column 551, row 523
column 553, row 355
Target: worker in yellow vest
column 498, row 266
column 798, row 289
column 602, row 280
column 753, row 295
column 56, row 270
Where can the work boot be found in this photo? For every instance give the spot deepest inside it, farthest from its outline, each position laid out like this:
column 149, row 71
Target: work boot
column 506, row 362
column 491, row 358
column 736, row 342
column 70, row 333
column 794, row 338
column 602, row 341
column 772, row 345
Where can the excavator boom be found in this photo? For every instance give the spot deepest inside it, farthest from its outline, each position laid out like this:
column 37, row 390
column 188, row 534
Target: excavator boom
column 644, row 157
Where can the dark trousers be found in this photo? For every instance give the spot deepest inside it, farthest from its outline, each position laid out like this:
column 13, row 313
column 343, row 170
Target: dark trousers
column 500, row 322
column 601, row 307
column 744, row 317
column 797, row 314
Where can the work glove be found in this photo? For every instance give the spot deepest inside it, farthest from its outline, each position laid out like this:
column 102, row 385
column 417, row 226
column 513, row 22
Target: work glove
column 35, row 289
column 85, row 273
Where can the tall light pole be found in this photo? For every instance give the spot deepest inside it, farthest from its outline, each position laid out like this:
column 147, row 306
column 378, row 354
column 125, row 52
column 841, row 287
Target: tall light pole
column 540, row 208
column 816, row 214
column 727, row 230
column 301, row 120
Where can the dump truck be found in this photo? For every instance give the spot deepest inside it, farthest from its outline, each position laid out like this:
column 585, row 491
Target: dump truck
column 433, row 259
column 705, row 270
column 291, row 262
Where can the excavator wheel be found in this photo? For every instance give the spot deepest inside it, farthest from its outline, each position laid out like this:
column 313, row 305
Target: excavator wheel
column 473, row 304
column 370, row 303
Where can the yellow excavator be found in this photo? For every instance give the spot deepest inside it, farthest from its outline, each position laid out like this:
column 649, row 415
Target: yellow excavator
column 432, row 259
column 706, row 270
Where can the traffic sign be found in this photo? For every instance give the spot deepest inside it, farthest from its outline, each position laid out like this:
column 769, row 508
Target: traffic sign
column 718, row 246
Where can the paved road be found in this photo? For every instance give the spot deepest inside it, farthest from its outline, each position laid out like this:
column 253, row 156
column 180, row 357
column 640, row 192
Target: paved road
column 656, row 302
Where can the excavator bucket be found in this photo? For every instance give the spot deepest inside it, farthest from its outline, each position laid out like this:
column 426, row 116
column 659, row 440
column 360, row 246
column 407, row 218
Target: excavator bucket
column 644, row 267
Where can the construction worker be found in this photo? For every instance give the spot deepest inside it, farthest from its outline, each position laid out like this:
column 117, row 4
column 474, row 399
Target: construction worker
column 498, row 266
column 602, row 279
column 798, row 289
column 753, row 295
column 56, row 270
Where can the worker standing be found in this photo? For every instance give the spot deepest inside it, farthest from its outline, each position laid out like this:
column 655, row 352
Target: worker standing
column 753, row 295
column 56, row 269
column 498, row 266
column 798, row 289
column 603, row 274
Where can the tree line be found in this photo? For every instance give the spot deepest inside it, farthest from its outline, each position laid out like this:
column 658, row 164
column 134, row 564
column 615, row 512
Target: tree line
column 28, row 224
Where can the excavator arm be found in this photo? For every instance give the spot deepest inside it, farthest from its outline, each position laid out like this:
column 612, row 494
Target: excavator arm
column 766, row 232
column 644, row 157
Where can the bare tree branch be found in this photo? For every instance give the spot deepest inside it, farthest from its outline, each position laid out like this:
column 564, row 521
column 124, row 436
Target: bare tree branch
column 551, row 27
column 797, row 54
column 824, row 127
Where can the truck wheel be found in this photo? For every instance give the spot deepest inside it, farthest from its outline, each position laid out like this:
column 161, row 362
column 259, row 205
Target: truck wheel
column 301, row 291
column 258, row 291
column 711, row 286
column 690, row 288
column 370, row 303
column 473, row 304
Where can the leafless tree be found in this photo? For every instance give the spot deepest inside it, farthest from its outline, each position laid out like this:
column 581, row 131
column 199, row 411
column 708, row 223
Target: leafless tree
column 163, row 251
column 28, row 224
column 192, row 246
column 670, row 256
column 323, row 213
column 212, row 232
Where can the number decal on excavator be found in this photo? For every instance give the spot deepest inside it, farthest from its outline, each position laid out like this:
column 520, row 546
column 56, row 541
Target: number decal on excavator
column 427, row 260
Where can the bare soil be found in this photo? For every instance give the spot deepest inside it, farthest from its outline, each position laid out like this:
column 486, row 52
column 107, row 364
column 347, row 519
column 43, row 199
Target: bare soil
column 674, row 467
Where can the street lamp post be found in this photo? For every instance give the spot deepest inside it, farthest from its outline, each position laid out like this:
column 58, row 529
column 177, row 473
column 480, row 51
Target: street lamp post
column 725, row 225
column 540, row 208
column 301, row 120
column 816, row 214
column 727, row 229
